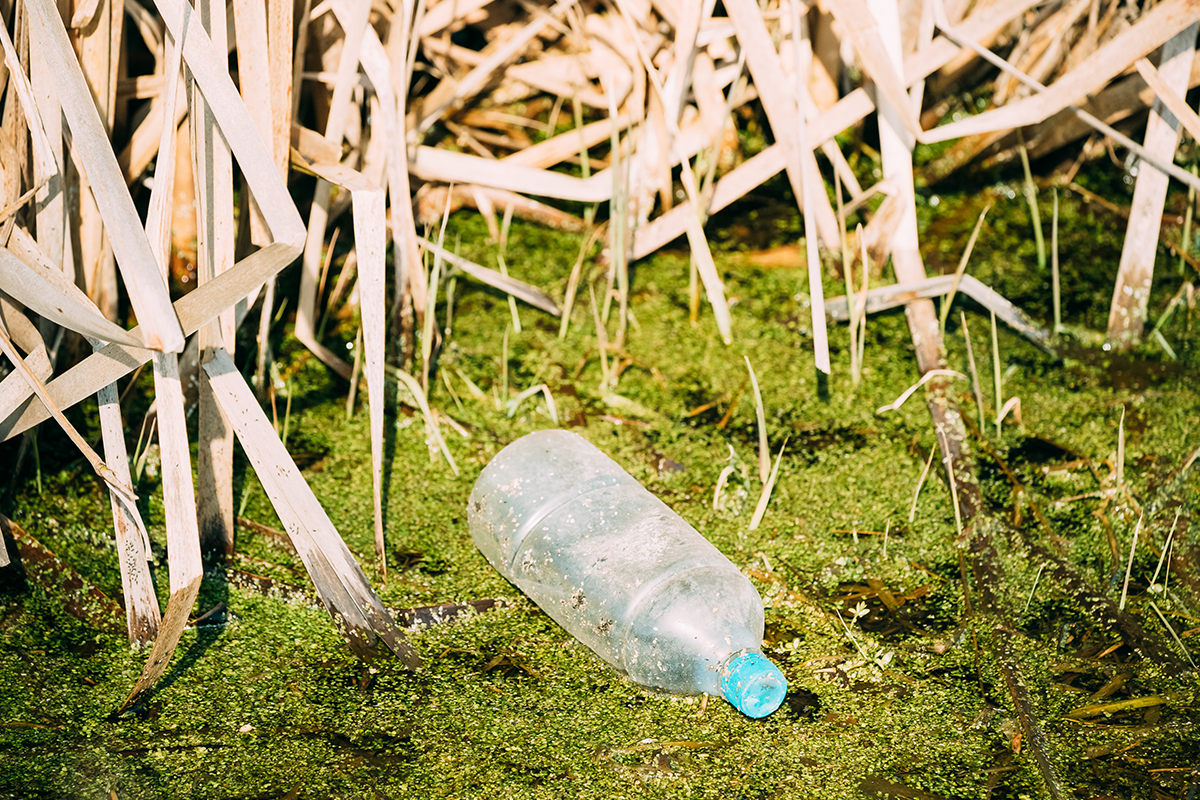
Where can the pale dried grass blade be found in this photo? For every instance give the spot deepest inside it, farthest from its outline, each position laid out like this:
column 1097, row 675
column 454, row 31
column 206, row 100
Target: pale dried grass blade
column 764, row 450
column 27, row 275
column 255, row 161
column 983, row 24
column 45, row 166
column 764, row 498
column 518, row 289
column 962, row 268
column 255, row 79
column 354, row 27
column 811, row 177
column 147, row 291
column 884, row 297
column 39, row 388
column 142, row 615
column 432, row 164
column 370, row 243
column 477, row 79
column 750, row 174
column 344, row 589
column 431, row 424
column 907, row 393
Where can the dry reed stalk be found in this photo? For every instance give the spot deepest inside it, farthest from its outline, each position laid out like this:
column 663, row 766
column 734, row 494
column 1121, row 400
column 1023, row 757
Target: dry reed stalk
column 1128, row 312
column 39, row 389
column 339, row 580
column 780, row 106
column 213, row 168
column 902, row 294
column 354, row 27
column 146, row 289
column 1016, row 114
column 27, row 275
column 142, row 614
column 809, row 186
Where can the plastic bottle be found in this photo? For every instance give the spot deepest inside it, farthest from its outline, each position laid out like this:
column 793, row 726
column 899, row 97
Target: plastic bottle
column 622, row 572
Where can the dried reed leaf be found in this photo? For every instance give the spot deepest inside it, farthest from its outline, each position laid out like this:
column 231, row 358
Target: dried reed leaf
column 344, row 589
column 518, row 289
column 565, row 145
column 816, row 291
column 208, row 67
column 146, row 289
column 255, row 81
column 1153, row 29
column 882, row 298
column 117, row 360
column 27, row 275
column 432, row 164
column 354, row 26
column 453, row 93
column 44, row 164
column 431, row 202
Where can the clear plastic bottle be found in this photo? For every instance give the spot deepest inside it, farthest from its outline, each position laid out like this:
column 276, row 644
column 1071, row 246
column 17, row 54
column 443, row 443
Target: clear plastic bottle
column 622, row 572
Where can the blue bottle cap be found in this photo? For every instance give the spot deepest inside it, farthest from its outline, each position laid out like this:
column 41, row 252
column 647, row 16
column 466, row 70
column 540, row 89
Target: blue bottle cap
column 753, row 685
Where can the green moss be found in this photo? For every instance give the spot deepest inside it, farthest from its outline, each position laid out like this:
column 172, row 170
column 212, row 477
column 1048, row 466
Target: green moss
column 508, row 705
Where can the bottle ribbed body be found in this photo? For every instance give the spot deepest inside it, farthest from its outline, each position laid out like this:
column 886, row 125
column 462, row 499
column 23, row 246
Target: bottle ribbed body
column 613, row 564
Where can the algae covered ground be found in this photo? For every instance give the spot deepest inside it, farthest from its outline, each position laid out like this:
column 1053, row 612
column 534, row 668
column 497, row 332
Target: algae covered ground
column 893, row 692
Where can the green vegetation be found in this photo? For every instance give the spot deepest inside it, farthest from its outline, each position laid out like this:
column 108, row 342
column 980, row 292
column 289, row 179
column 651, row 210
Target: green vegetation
column 272, row 704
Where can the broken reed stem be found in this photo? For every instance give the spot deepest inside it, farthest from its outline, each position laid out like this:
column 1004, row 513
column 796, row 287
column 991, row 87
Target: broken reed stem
column 1031, row 198
column 1054, row 284
column 997, row 380
column 978, row 390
